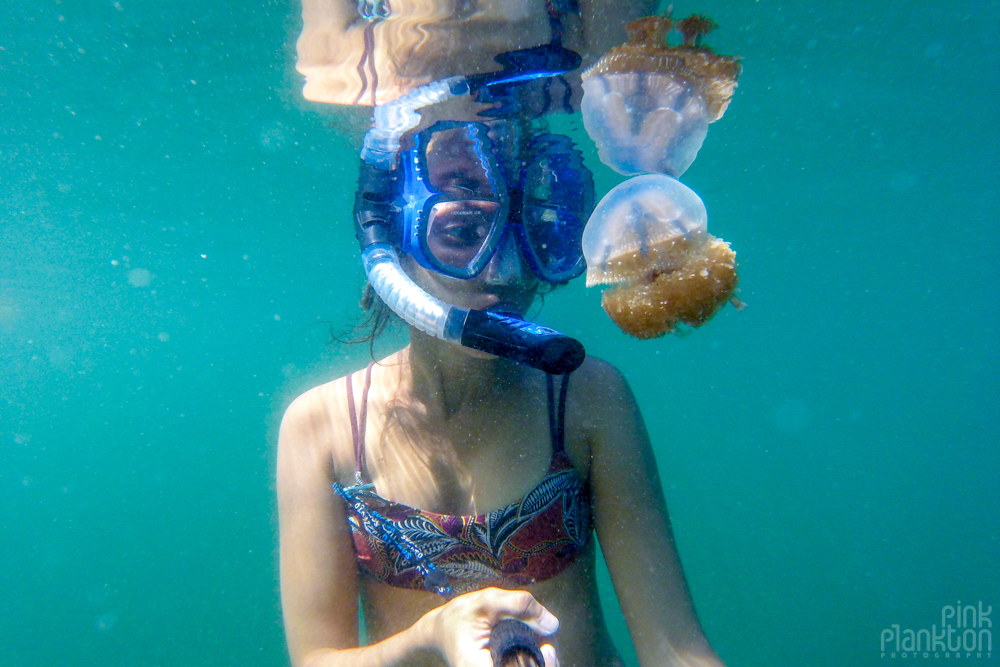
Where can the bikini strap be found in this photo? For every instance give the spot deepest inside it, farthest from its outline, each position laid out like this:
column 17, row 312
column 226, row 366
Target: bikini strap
column 359, row 422
column 557, row 420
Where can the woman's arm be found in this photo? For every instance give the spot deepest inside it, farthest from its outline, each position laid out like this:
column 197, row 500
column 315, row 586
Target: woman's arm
column 319, row 580
column 633, row 527
column 319, row 586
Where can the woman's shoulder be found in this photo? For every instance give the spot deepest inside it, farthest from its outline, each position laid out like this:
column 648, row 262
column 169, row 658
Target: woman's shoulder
column 311, row 428
column 313, row 406
column 599, row 401
column 599, row 385
column 328, row 400
column 320, row 417
column 317, row 422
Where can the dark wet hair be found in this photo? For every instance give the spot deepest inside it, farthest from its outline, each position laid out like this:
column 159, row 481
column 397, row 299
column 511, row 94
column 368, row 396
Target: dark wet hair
column 375, row 319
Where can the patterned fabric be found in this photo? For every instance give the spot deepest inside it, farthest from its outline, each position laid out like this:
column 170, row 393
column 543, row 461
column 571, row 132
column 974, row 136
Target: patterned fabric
column 527, row 541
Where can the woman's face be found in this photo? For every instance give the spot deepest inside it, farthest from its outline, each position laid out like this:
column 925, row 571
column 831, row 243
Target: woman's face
column 506, row 283
column 457, row 230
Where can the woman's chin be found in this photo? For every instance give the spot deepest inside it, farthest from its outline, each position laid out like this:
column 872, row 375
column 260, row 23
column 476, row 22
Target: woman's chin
column 475, row 354
column 473, row 294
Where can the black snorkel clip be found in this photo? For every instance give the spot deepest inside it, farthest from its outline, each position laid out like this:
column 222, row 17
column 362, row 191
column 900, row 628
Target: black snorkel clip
column 510, row 336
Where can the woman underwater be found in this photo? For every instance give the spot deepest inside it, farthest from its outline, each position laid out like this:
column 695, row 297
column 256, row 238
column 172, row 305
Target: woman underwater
column 444, row 488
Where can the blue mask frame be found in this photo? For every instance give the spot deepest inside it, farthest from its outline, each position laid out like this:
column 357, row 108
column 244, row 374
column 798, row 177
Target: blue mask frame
column 546, row 209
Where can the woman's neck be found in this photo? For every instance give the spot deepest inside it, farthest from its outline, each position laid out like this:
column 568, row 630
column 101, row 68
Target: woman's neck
column 445, row 378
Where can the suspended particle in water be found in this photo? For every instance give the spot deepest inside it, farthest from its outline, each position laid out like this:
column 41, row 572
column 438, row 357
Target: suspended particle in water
column 104, row 622
column 8, row 311
column 140, row 277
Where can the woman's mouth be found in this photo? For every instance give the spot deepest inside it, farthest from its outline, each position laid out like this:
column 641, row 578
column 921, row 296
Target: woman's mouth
column 505, row 308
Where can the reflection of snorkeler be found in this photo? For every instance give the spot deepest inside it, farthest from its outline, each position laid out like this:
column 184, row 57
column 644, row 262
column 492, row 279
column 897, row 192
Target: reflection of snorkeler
column 349, row 59
column 466, row 486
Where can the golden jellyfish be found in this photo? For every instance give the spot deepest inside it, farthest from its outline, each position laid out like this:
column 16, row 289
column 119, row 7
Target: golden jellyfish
column 647, row 105
column 649, row 238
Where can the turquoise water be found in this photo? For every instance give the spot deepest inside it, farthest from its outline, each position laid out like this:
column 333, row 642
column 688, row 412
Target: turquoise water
column 175, row 237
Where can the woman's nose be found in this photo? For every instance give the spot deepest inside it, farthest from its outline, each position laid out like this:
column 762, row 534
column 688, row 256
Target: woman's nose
column 506, row 266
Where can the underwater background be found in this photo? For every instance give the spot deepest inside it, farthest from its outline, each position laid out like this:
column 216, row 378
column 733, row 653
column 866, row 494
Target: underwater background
column 175, row 244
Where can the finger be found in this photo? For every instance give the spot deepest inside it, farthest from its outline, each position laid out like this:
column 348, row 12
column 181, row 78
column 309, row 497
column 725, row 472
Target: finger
column 549, row 653
column 522, row 606
column 480, row 658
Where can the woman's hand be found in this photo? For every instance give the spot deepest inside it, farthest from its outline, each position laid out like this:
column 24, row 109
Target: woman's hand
column 461, row 628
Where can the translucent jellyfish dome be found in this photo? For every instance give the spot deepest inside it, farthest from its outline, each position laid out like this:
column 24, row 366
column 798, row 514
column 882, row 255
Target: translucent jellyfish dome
column 636, row 224
column 647, row 105
column 649, row 238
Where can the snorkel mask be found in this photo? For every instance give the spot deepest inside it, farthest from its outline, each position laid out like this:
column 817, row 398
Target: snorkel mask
column 456, row 227
column 459, row 204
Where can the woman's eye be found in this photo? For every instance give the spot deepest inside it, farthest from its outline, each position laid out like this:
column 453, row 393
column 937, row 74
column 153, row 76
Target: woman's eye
column 461, row 224
column 467, row 233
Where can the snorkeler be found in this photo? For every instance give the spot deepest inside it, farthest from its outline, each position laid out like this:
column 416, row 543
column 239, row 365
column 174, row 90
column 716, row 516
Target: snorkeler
column 457, row 482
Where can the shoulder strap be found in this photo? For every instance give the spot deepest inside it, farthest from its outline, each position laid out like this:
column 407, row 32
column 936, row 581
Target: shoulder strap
column 557, row 418
column 358, row 422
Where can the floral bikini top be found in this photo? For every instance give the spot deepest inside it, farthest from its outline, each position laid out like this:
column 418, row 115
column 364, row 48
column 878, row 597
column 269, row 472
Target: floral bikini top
column 527, row 541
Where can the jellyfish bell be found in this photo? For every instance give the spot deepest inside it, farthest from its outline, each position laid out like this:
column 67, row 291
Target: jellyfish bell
column 649, row 239
column 648, row 105
column 635, row 223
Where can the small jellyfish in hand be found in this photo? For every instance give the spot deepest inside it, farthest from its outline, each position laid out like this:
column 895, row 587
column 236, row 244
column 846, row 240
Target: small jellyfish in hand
column 647, row 105
column 649, row 237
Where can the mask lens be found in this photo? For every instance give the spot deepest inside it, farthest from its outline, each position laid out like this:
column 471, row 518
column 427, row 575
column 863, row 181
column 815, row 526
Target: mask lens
column 459, row 232
column 558, row 199
column 467, row 217
column 555, row 240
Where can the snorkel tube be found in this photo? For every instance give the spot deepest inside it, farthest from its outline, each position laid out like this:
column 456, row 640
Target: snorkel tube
column 502, row 334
